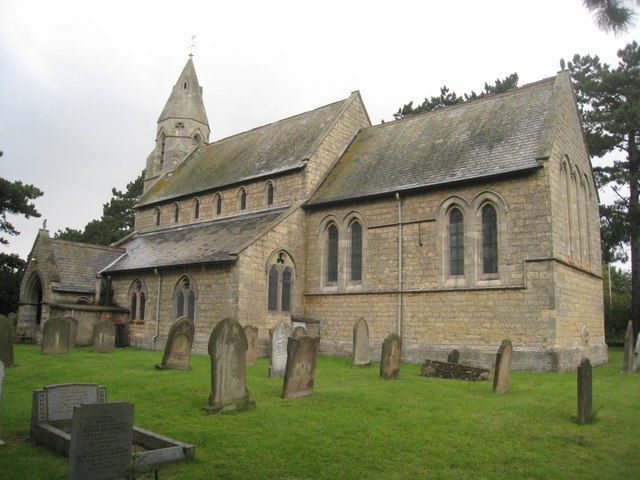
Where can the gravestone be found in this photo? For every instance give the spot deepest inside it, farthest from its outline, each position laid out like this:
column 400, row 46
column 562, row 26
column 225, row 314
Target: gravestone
column 74, row 331
column 178, row 347
column 627, row 365
column 55, row 402
column 502, row 374
column 636, row 363
column 6, row 341
column 252, row 343
column 279, row 336
column 584, row 392
column 390, row 358
column 101, row 441
column 104, row 337
column 361, row 344
column 454, row 356
column 300, row 373
column 228, row 350
column 55, row 337
column 1, row 383
column 298, row 332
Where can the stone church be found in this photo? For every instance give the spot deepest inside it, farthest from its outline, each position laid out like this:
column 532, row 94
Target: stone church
column 455, row 228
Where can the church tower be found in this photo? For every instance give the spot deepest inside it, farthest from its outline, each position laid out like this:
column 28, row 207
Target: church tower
column 182, row 126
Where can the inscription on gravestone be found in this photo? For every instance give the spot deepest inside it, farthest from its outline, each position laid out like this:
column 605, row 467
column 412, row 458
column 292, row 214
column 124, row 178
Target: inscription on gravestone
column 300, row 372
column 390, row 359
column 584, row 392
column 55, row 337
column 251, row 333
column 361, row 344
column 503, row 367
column 56, row 402
column 101, row 441
column 178, row 347
column 6, row 341
column 279, row 336
column 104, row 337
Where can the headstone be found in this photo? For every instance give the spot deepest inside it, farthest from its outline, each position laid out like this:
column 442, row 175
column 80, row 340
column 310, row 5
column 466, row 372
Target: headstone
column 361, row 344
column 252, row 343
column 178, row 347
column 298, row 332
column 6, row 341
column 502, row 374
column 55, row 402
column 101, row 441
column 636, row 364
column 627, row 365
column 228, row 350
column 278, row 361
column 74, row 331
column 390, row 358
column 300, row 373
column 584, row 392
column 104, row 337
column 454, row 356
column 55, row 337
column 1, row 383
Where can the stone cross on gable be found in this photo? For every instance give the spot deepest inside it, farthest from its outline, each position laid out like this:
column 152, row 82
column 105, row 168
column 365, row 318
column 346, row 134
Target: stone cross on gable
column 192, row 45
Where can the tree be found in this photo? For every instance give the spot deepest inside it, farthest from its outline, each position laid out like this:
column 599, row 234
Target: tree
column 11, row 268
column 117, row 218
column 617, row 303
column 609, row 101
column 612, row 15
column 447, row 98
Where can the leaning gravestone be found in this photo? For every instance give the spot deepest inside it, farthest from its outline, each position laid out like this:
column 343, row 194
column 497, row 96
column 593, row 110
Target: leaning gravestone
column 55, row 337
column 101, row 441
column 279, row 336
column 74, row 331
column 299, row 331
column 104, row 337
column 1, row 382
column 178, row 347
column 252, row 343
column 300, row 373
column 627, row 365
column 361, row 344
column 6, row 341
column 454, row 356
column 584, row 392
column 228, row 350
column 390, row 359
column 503, row 367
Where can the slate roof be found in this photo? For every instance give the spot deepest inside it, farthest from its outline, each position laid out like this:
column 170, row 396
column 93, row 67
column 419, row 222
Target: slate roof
column 78, row 264
column 274, row 148
column 495, row 135
column 210, row 242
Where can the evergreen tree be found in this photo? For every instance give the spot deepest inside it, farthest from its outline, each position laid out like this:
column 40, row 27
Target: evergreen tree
column 11, row 268
column 612, row 15
column 609, row 100
column 117, row 218
column 447, row 98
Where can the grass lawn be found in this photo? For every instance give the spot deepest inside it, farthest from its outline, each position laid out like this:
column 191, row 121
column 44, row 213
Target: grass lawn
column 354, row 426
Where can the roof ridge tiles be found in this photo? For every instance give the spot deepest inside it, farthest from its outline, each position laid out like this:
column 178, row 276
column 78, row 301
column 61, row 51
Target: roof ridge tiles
column 87, row 245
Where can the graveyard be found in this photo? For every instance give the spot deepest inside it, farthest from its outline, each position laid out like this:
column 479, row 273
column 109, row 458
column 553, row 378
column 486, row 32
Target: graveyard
column 353, row 425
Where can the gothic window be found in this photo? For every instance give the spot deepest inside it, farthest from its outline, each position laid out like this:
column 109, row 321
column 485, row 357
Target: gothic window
column 185, row 298
column 331, row 260
column 355, row 256
column 163, row 146
column 218, row 201
column 270, row 193
column 196, row 209
column 176, row 213
column 242, row 199
column 456, row 243
column 489, row 240
column 156, row 215
column 137, row 299
column 566, row 199
column 280, row 284
column 196, row 140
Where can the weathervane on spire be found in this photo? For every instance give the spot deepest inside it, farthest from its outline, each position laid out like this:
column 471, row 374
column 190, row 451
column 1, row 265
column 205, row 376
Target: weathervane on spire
column 192, row 45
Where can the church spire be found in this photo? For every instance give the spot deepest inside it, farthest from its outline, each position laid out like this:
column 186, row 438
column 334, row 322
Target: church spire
column 182, row 126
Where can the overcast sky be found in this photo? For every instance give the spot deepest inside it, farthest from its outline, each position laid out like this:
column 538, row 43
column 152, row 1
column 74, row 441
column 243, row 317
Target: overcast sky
column 83, row 82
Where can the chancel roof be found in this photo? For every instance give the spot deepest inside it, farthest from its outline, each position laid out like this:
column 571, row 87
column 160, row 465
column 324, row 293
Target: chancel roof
column 78, row 264
column 274, row 148
column 209, row 242
column 495, row 135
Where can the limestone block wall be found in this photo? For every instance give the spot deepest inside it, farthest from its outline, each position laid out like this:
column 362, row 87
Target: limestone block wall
column 287, row 190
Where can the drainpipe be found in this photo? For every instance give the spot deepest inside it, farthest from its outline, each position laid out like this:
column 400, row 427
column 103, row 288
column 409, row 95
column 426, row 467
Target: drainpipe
column 155, row 270
column 399, row 320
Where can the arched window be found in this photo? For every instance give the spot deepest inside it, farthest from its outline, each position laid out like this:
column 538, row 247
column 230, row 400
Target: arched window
column 137, row 299
column 242, row 199
column 134, row 305
column 217, row 200
column 280, row 284
column 331, row 262
column 196, row 209
column 185, row 298
column 355, row 257
column 586, row 209
column 142, row 305
column 163, row 146
column 196, row 141
column 156, row 215
column 489, row 240
column 566, row 199
column 456, row 242
column 270, row 193
column 176, row 213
